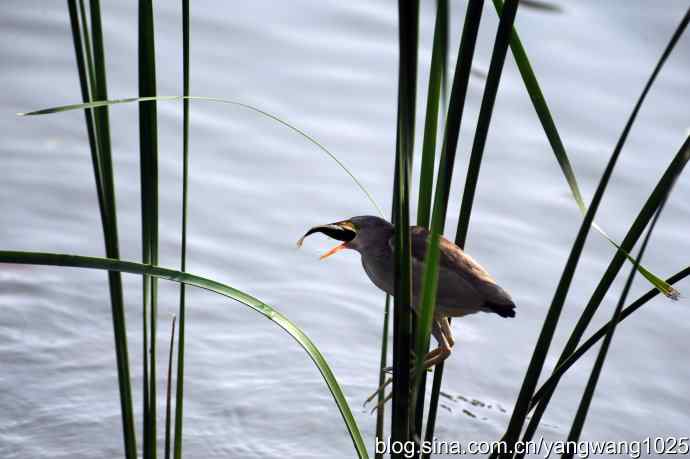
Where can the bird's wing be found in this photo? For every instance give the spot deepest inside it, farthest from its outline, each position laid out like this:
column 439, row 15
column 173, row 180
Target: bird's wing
column 454, row 260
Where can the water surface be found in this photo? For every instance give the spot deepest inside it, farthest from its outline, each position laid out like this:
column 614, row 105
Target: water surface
column 331, row 69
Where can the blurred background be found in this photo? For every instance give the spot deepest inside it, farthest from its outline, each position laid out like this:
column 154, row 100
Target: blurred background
column 330, row 68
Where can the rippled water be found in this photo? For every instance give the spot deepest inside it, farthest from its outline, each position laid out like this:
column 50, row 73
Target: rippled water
column 331, row 69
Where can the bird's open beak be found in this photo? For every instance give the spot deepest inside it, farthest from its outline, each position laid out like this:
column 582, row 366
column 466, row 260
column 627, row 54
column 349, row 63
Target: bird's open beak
column 343, row 231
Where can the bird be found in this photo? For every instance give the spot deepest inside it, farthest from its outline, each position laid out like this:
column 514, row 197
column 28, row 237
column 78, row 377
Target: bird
column 464, row 286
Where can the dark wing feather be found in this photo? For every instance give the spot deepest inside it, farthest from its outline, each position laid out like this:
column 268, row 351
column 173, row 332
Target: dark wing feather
column 455, row 260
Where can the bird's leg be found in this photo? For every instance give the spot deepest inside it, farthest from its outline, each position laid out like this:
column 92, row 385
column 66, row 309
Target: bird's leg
column 431, row 355
column 444, row 336
column 382, row 403
column 447, row 332
column 388, row 380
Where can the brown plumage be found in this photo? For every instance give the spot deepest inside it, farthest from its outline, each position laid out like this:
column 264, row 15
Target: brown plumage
column 464, row 286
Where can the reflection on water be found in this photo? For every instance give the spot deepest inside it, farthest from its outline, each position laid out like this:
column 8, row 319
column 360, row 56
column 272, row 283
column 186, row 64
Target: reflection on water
column 330, row 68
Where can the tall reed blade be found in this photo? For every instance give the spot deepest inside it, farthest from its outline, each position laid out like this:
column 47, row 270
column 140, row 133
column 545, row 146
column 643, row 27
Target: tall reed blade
column 505, row 27
column 551, row 381
column 402, row 321
column 179, row 394
column 445, row 173
column 436, row 71
column 76, row 261
column 168, row 390
column 437, row 80
column 99, row 144
column 148, row 145
column 625, row 248
column 585, row 402
column 675, row 167
column 381, row 397
column 402, row 345
column 544, row 114
column 445, row 34
column 85, row 86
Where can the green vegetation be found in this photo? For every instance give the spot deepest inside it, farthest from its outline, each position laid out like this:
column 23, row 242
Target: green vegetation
column 410, row 332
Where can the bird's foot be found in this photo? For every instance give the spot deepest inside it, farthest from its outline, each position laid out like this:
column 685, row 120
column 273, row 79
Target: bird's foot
column 380, row 390
column 382, row 387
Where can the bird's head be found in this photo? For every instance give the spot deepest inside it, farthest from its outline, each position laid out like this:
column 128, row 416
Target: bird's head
column 356, row 233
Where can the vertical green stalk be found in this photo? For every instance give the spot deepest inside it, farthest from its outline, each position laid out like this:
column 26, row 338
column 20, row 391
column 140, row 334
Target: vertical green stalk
column 168, row 391
column 85, row 85
column 585, row 402
column 380, row 413
column 436, row 81
column 599, row 334
column 456, row 107
column 613, row 268
column 444, row 54
column 103, row 123
column 541, row 349
column 93, row 86
column 148, row 145
column 498, row 56
column 426, row 179
column 179, row 397
column 544, row 114
column 407, row 83
column 631, row 238
column 402, row 322
column 87, row 48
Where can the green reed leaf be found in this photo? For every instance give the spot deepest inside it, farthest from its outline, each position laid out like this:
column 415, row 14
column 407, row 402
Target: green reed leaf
column 451, row 134
column 76, row 261
column 179, row 393
column 102, row 103
column 99, row 145
column 539, row 102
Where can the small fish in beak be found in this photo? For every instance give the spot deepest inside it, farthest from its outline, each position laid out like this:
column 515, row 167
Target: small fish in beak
column 341, row 231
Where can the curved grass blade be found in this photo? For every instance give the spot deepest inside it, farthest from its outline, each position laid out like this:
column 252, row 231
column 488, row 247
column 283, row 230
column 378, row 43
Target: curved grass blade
column 179, row 386
column 546, row 119
column 76, row 261
column 102, row 103
column 592, row 340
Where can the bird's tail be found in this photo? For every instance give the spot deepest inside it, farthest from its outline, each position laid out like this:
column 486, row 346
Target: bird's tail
column 502, row 309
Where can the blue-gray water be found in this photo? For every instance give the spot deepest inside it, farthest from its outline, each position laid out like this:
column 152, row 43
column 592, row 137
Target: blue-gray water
column 331, row 69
